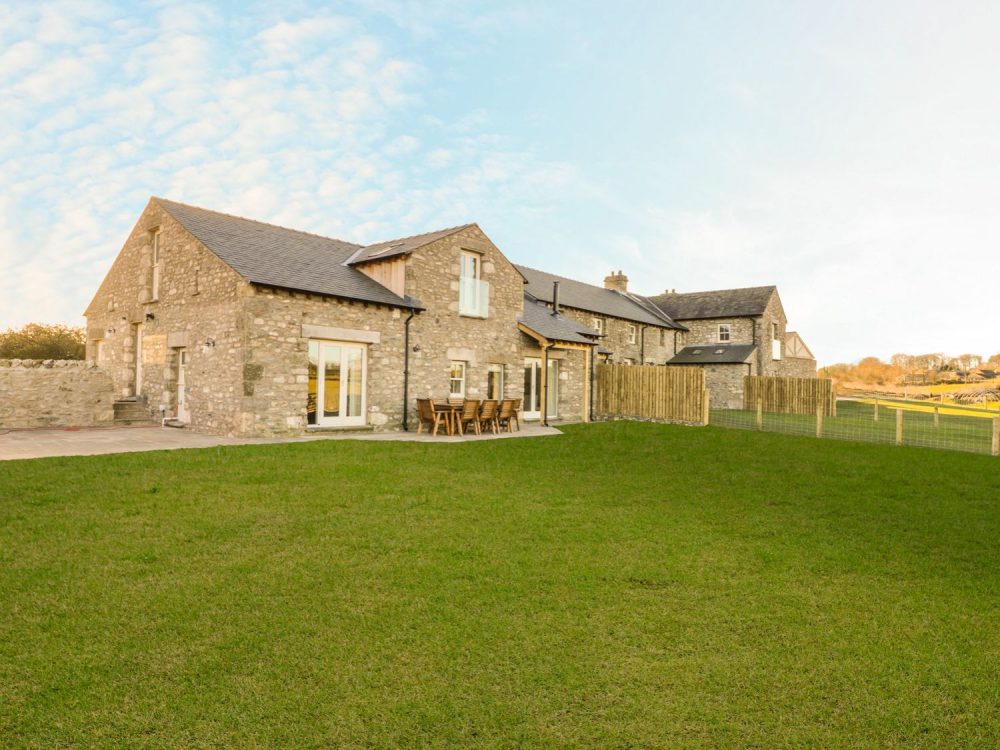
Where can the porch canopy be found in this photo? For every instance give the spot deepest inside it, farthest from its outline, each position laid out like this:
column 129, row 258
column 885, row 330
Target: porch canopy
column 554, row 331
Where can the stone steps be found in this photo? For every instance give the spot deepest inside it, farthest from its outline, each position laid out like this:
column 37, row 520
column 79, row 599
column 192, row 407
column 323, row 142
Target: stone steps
column 129, row 412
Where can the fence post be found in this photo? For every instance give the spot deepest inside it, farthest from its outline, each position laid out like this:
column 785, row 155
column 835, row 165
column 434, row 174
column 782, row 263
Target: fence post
column 899, row 426
column 704, row 406
column 819, row 419
column 876, row 410
column 937, row 419
column 760, row 414
column 995, row 449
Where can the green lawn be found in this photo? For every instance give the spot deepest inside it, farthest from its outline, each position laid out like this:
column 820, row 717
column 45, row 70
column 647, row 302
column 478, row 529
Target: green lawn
column 624, row 585
column 856, row 421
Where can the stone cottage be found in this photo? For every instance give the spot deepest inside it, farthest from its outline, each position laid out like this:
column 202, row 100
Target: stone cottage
column 234, row 326
column 733, row 333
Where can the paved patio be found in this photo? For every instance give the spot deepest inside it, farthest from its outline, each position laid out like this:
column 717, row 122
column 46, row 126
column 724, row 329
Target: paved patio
column 42, row 443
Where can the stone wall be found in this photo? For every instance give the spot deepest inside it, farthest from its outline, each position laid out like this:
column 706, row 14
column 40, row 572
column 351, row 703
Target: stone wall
column 725, row 384
column 199, row 308
column 659, row 342
column 707, row 331
column 796, row 367
column 54, row 393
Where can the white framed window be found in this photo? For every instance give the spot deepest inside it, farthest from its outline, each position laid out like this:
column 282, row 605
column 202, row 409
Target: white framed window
column 155, row 284
column 473, row 292
column 725, row 333
column 494, row 382
column 631, row 331
column 456, row 380
column 775, row 342
column 598, row 325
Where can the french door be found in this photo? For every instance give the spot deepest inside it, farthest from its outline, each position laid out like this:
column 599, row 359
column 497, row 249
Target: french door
column 532, row 406
column 338, row 374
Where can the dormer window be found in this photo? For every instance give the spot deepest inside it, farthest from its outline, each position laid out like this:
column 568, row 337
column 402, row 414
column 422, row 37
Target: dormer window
column 154, row 242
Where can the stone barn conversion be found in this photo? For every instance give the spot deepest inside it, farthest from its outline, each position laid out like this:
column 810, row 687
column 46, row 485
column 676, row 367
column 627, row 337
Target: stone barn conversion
column 238, row 327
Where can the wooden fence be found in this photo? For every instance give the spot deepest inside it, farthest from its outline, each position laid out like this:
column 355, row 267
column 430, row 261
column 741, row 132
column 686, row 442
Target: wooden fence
column 675, row 394
column 789, row 395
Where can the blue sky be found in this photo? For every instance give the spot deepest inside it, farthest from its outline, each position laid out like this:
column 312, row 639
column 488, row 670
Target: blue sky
column 847, row 152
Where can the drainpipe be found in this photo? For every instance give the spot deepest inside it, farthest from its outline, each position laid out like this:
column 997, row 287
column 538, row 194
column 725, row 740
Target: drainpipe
column 406, row 371
column 675, row 341
column 760, row 361
column 642, row 346
column 593, row 356
column 545, row 390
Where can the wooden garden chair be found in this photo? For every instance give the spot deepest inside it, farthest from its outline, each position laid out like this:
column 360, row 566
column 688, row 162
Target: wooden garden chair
column 469, row 415
column 505, row 416
column 430, row 416
column 488, row 415
column 517, row 413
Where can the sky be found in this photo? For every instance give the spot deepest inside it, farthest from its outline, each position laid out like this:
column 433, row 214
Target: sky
column 847, row 152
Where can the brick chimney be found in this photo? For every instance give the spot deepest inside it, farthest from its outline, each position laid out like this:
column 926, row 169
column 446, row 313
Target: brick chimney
column 617, row 281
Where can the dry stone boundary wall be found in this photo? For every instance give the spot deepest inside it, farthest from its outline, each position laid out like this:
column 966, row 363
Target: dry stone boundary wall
column 54, row 393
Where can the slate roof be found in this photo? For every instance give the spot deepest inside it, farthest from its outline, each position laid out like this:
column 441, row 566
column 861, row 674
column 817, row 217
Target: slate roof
column 722, row 303
column 402, row 246
column 544, row 322
column 712, row 354
column 275, row 256
column 595, row 299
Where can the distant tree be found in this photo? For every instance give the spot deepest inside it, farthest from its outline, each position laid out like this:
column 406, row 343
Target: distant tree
column 40, row 341
column 902, row 361
column 994, row 361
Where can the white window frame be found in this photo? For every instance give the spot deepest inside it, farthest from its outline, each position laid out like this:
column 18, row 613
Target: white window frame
column 725, row 333
column 452, row 380
column 155, row 251
column 775, row 342
column 631, row 332
column 477, row 301
column 498, row 368
column 598, row 325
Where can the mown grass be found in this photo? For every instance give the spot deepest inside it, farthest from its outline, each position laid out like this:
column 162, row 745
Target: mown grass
column 856, row 421
column 624, row 585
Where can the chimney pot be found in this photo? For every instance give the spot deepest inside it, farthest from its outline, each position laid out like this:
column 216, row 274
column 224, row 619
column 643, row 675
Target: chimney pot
column 616, row 281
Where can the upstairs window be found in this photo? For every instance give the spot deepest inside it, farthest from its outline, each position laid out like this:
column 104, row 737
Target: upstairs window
column 631, row 332
column 598, row 325
column 473, row 292
column 155, row 283
column 725, row 333
column 663, row 337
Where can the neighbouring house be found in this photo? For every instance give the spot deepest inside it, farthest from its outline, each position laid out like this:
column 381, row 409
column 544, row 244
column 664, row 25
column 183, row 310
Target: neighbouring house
column 733, row 333
column 239, row 327
column 631, row 330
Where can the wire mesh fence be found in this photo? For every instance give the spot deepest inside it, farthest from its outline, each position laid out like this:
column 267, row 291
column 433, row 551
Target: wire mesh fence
column 878, row 420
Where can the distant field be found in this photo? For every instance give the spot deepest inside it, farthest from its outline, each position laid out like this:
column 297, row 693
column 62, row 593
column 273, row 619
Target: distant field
column 957, row 387
column 623, row 585
column 978, row 411
column 855, row 420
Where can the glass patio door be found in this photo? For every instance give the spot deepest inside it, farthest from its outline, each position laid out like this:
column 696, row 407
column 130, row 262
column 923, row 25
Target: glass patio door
column 337, row 384
column 532, row 404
